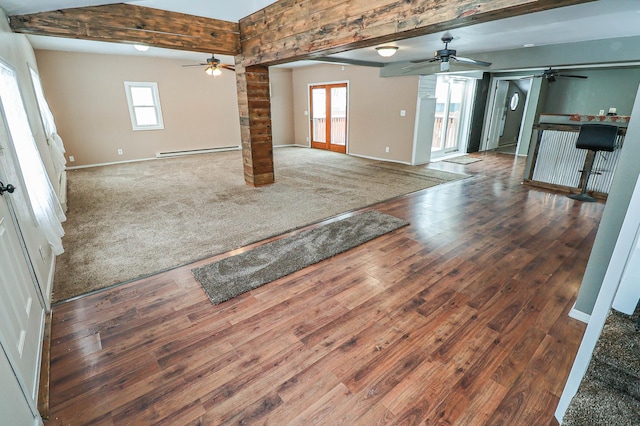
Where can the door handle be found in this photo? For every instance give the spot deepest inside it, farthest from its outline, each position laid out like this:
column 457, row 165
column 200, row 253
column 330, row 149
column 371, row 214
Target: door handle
column 9, row 188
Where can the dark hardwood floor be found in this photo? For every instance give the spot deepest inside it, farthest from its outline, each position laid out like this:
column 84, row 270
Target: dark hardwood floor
column 459, row 318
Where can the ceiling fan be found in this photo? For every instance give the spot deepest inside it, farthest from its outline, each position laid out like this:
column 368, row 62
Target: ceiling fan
column 551, row 75
column 213, row 66
column 446, row 54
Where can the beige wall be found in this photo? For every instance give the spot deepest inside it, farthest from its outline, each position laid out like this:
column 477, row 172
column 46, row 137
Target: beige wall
column 86, row 94
column 282, row 106
column 374, row 109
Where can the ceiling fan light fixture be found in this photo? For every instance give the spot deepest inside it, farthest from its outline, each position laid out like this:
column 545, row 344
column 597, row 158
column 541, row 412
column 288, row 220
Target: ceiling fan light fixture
column 387, row 51
column 445, row 66
column 141, row 47
column 213, row 70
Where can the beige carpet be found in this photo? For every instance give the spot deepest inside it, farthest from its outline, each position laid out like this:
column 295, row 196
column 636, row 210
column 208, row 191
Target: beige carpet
column 131, row 220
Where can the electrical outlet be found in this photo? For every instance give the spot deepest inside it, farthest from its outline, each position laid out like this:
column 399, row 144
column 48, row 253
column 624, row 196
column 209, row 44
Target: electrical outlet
column 386, row 149
column 72, row 158
column 403, row 113
column 119, row 152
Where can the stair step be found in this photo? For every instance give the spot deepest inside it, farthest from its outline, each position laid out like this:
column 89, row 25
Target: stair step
column 613, row 377
column 619, row 345
column 598, row 404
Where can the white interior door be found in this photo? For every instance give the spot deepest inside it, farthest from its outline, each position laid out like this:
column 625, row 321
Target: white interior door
column 21, row 312
column 498, row 111
column 14, row 409
column 35, row 204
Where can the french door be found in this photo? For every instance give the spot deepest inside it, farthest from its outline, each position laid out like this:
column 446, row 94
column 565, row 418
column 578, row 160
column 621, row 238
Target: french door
column 452, row 115
column 329, row 116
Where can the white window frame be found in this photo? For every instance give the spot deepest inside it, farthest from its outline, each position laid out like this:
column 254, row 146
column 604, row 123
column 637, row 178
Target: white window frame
column 156, row 105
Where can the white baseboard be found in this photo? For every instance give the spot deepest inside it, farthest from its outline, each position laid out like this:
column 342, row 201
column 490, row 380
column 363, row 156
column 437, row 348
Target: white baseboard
column 108, row 164
column 380, row 159
column 287, row 145
column 52, row 270
column 579, row 315
column 160, row 156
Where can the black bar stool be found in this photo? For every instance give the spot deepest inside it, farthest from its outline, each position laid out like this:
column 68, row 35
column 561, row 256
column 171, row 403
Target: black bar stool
column 594, row 137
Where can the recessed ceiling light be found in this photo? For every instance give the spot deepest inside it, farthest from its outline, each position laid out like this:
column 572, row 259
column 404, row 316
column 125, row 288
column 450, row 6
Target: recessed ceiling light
column 528, row 45
column 141, row 47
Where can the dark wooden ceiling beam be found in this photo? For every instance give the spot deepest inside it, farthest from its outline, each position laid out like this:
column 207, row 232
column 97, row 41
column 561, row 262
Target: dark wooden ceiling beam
column 126, row 23
column 290, row 30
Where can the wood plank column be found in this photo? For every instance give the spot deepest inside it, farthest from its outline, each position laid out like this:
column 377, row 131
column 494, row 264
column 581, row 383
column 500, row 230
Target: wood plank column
column 254, row 105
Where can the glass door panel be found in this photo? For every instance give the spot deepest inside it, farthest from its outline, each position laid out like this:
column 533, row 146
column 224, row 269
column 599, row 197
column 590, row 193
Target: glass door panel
column 319, row 115
column 339, row 115
column 457, row 89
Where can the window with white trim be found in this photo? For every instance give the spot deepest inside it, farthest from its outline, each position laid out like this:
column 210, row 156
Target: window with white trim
column 144, row 105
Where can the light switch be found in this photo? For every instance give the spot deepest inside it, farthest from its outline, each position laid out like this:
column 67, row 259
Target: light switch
column 403, row 113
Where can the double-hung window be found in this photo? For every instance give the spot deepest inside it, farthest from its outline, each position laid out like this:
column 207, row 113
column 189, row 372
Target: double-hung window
column 144, row 105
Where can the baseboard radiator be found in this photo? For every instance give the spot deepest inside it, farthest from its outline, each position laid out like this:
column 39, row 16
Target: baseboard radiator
column 196, row 151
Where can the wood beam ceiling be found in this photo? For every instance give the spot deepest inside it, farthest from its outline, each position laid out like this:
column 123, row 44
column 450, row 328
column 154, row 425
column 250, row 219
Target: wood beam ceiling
column 126, row 23
column 290, row 30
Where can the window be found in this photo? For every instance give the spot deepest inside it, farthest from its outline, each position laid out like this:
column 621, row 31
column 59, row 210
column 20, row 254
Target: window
column 144, row 105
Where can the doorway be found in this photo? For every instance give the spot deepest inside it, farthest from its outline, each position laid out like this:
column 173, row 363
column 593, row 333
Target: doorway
column 328, row 118
column 507, row 128
column 450, row 130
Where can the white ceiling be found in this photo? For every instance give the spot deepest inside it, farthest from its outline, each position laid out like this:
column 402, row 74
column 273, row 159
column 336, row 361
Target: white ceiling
column 602, row 19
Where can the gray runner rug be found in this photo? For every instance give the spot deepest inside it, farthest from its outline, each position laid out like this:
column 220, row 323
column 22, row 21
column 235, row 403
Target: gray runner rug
column 232, row 276
column 462, row 160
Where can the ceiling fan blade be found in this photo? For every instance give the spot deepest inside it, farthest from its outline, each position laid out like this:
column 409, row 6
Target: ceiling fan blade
column 531, row 76
column 572, row 76
column 418, row 65
column 471, row 61
column 194, row 65
column 227, row 67
column 419, row 61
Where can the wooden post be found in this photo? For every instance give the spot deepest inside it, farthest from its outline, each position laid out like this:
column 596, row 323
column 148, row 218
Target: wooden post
column 254, row 105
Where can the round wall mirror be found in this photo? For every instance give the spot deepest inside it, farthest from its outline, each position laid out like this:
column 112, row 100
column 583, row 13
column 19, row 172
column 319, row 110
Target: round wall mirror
column 515, row 98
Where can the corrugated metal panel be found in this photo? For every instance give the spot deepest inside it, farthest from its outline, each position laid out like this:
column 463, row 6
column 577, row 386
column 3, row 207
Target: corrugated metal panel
column 559, row 162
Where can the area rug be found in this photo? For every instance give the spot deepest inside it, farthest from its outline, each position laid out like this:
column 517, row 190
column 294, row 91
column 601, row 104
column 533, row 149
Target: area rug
column 232, row 276
column 131, row 220
column 462, row 160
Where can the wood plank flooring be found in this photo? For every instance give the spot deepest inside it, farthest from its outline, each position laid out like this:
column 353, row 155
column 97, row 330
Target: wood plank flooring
column 459, row 318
